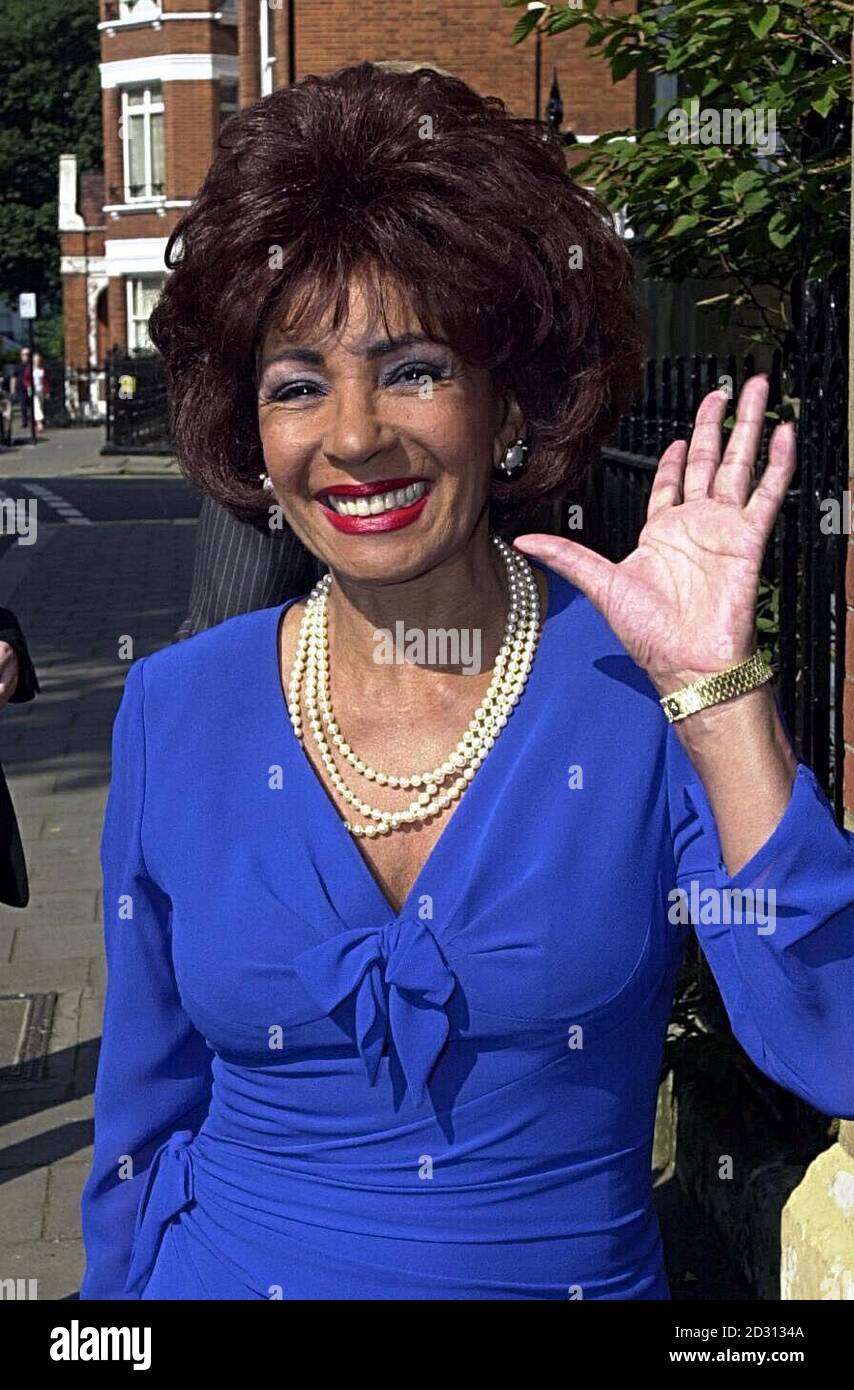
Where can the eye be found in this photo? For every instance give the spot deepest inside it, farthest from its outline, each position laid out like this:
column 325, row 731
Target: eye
column 292, row 390
column 411, row 373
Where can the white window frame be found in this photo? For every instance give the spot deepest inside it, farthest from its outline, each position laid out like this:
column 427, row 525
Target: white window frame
column 268, row 57
column 136, row 324
column 150, row 107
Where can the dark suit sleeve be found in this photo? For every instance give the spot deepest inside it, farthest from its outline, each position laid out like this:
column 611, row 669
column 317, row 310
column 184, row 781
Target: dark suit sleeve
column 10, row 631
column 240, row 567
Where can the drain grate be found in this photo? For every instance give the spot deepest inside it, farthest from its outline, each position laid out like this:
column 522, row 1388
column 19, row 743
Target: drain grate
column 25, row 1024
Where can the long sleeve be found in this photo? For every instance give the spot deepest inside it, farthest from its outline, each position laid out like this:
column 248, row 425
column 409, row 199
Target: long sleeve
column 785, row 970
column 154, row 1072
column 240, row 566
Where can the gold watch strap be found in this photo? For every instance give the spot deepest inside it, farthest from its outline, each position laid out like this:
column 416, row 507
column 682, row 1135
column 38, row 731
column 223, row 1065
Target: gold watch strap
column 713, row 690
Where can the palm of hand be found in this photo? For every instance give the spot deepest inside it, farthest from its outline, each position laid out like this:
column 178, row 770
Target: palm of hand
column 683, row 603
column 685, row 599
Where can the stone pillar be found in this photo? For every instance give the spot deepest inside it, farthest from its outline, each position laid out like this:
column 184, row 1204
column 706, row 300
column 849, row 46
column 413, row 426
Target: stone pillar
column 817, row 1228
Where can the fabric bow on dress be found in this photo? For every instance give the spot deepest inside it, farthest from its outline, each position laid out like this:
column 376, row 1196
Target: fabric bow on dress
column 401, row 982
column 168, row 1190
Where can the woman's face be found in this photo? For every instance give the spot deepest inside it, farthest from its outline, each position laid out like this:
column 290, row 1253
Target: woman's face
column 351, row 423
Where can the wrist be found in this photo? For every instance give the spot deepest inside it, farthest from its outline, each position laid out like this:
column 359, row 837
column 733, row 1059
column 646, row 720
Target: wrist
column 669, row 681
column 755, row 711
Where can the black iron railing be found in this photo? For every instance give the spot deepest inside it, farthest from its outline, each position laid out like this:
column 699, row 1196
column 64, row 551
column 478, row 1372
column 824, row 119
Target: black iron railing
column 137, row 410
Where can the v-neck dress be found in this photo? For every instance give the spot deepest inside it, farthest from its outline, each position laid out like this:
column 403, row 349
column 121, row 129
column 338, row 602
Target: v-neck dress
column 303, row 1094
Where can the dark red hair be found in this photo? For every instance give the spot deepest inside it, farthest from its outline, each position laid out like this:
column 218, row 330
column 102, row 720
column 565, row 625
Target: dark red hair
column 413, row 179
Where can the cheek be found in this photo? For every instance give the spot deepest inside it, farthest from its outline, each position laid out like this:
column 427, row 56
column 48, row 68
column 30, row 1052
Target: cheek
column 461, row 443
column 283, row 456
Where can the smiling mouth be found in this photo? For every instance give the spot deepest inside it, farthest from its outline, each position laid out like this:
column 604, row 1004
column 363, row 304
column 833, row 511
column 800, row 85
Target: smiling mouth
column 372, row 501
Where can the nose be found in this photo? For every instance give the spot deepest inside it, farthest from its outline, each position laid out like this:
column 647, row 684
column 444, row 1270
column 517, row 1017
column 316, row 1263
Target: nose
column 355, row 434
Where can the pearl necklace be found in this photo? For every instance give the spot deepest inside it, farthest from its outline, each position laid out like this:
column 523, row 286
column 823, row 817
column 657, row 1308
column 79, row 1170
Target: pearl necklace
column 309, row 686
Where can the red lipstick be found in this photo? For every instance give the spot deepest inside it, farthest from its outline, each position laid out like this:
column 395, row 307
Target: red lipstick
column 392, row 520
column 366, row 489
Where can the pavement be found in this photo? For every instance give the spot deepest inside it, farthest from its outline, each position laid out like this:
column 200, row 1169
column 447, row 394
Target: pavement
column 112, row 561
column 77, row 451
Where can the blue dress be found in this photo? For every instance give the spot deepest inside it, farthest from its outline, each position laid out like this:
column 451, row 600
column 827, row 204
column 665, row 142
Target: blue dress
column 304, row 1094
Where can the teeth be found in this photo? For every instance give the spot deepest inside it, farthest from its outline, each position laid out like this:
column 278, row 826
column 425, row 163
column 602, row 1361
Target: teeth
column 378, row 503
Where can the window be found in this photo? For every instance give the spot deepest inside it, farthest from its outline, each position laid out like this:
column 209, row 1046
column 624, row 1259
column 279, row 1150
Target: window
column 143, row 294
column 268, row 48
column 228, row 100
column 142, row 142
column 139, row 9
column 665, row 95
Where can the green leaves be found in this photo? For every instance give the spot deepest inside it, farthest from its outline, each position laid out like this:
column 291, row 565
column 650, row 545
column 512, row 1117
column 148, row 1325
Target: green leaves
column 824, row 103
column 763, row 18
column 683, row 223
column 524, row 25
column 737, row 210
column 783, row 227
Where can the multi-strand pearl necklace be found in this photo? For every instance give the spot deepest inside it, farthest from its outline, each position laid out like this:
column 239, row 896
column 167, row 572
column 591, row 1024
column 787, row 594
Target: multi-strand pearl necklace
column 309, row 689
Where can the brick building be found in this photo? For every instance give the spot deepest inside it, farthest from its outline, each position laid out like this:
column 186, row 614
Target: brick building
column 170, row 75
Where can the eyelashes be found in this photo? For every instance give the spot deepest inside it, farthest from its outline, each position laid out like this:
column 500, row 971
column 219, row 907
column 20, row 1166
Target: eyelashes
column 406, row 374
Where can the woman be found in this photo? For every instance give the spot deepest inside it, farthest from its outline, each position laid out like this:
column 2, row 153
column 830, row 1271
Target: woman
column 386, row 1004
column 40, row 389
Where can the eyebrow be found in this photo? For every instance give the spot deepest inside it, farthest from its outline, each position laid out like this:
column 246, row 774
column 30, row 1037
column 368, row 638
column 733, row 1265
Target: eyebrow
column 379, row 348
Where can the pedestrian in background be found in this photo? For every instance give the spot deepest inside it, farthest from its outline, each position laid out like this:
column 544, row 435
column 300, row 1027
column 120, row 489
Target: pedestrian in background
column 20, row 386
column 39, row 390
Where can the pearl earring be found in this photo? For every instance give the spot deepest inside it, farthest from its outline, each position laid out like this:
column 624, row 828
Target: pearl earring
column 513, row 464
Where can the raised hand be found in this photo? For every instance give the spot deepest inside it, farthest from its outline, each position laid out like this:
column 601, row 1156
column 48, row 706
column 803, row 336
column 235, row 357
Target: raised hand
column 683, row 604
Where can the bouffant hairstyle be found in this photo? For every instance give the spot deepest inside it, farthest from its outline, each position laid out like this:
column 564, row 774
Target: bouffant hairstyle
column 414, row 181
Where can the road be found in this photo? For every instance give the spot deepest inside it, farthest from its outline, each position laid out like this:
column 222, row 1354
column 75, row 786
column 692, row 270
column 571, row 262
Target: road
column 105, row 581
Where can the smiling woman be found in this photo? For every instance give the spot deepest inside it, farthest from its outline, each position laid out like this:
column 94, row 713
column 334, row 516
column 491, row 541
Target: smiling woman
column 336, row 175
column 388, row 991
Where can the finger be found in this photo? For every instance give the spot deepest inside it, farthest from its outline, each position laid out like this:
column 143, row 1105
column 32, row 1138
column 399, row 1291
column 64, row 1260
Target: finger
column 667, row 484
column 734, row 477
column 589, row 572
column 770, row 492
column 704, row 448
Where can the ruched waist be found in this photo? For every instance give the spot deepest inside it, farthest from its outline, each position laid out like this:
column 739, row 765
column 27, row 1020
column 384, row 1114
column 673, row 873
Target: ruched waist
column 561, row 1225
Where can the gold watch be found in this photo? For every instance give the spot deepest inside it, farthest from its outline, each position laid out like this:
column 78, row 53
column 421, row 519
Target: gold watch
column 713, row 690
